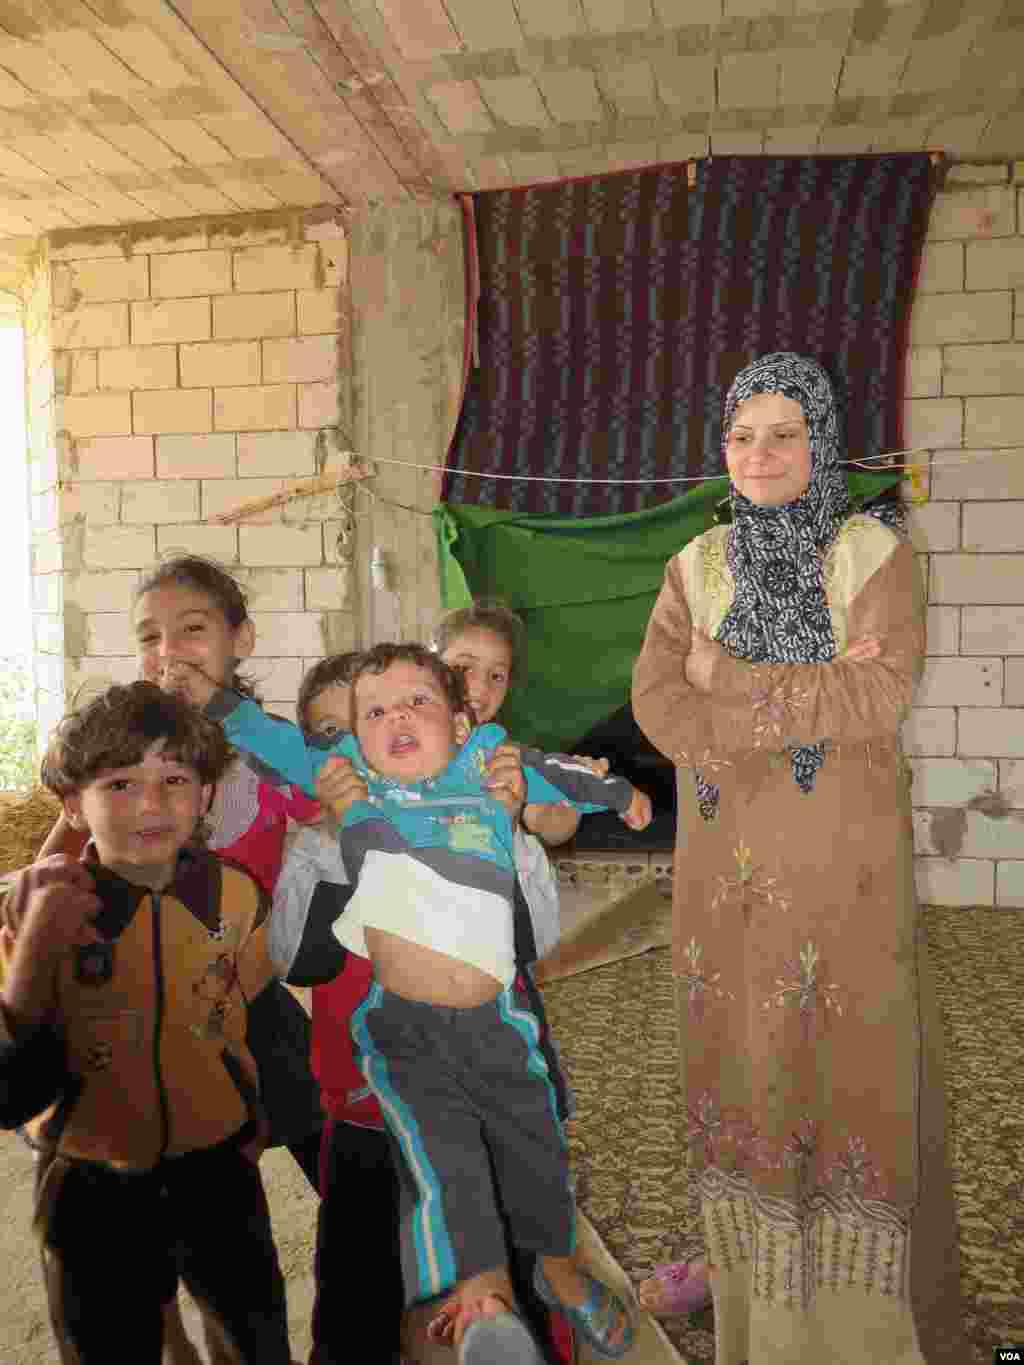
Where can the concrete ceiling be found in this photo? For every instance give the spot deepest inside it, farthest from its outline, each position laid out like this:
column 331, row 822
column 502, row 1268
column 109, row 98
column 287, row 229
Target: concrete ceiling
column 127, row 111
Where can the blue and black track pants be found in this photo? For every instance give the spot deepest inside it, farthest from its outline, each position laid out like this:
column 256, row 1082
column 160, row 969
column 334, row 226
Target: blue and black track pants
column 471, row 1108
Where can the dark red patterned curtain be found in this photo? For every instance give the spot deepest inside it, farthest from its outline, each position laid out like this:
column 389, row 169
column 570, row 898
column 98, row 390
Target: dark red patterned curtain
column 615, row 311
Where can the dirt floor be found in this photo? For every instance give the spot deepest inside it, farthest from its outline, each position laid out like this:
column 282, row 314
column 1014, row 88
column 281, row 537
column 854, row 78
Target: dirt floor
column 25, row 1336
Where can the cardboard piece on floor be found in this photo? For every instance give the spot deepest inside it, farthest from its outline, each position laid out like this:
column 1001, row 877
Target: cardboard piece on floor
column 634, row 923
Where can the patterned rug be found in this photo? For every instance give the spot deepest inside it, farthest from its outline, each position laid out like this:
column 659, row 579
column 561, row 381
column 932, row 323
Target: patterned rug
column 616, row 1028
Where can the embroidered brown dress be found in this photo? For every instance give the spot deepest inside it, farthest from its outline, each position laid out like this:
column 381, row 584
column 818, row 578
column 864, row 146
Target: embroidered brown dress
column 810, row 1040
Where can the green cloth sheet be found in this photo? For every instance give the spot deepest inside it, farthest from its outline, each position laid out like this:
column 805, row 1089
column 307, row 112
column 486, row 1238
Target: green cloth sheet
column 584, row 587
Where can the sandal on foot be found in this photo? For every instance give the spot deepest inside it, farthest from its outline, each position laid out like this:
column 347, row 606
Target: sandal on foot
column 500, row 1340
column 596, row 1318
column 681, row 1290
column 454, row 1316
column 441, row 1327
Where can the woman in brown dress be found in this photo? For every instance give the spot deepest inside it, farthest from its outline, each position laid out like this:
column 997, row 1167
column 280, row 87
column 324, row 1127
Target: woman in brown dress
column 779, row 662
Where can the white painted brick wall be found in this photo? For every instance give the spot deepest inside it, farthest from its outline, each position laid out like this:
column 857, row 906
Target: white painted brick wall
column 109, row 632
column 275, row 589
column 161, row 502
column 217, row 362
column 961, row 682
column 288, row 633
column 281, row 544
column 963, row 881
column 118, row 547
column 172, row 410
column 930, row 730
column 107, row 591
column 100, row 502
column 952, row 781
column 322, row 405
column 175, row 378
column 286, row 454
column 215, row 542
column 169, row 320
column 137, row 367
column 1014, row 683
column 112, row 457
column 965, row 402
column 993, row 731
column 115, row 668
column 986, row 629
column 944, row 633
column 275, row 679
column 1011, row 782
column 258, row 407
column 196, row 457
column 1010, row 884
column 993, row 526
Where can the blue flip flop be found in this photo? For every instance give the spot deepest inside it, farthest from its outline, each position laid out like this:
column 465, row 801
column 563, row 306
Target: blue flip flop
column 595, row 1319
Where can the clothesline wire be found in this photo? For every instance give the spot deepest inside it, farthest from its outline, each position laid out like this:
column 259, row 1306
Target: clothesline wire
column 872, row 464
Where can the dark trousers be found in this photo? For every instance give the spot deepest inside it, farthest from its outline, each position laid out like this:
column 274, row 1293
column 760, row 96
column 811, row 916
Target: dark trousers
column 358, row 1265
column 117, row 1245
column 471, row 1112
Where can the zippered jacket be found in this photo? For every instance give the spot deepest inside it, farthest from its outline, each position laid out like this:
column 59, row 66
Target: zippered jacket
column 143, row 1055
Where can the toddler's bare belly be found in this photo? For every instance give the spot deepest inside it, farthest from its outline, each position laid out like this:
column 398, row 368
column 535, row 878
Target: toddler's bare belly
column 420, row 973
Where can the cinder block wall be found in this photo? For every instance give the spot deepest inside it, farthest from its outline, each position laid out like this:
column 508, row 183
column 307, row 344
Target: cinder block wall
column 193, row 370
column 966, row 387
column 193, row 367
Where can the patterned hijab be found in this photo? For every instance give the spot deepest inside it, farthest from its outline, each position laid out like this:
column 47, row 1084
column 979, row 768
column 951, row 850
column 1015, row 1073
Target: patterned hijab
column 780, row 612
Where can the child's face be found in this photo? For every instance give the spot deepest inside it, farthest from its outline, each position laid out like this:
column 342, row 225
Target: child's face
column 404, row 724
column 485, row 661
column 179, row 630
column 140, row 816
column 330, row 712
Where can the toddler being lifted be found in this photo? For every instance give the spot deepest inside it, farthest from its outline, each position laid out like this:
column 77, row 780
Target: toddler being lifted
column 445, row 1038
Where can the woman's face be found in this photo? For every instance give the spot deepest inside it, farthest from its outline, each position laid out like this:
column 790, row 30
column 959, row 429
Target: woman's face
column 485, row 660
column 768, row 450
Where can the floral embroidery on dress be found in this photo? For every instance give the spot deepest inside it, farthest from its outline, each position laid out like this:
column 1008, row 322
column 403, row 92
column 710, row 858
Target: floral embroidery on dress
column 750, row 885
column 826, row 1238
column 774, row 709
column 800, row 1149
column 701, row 983
column 801, row 985
column 727, row 1142
column 854, row 1173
